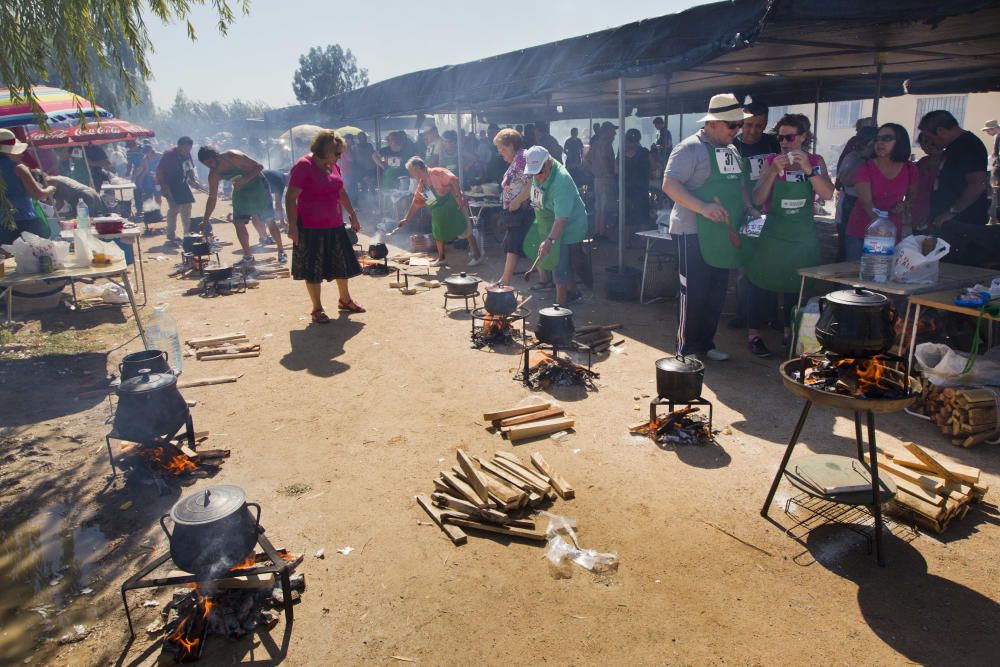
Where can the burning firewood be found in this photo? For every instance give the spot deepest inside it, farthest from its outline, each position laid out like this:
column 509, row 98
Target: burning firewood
column 548, row 370
column 676, row 427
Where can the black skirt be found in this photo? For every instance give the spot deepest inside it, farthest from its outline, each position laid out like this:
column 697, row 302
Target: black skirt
column 324, row 254
column 518, row 223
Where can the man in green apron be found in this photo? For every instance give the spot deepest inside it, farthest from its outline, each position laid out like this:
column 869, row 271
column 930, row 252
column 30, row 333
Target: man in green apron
column 438, row 190
column 251, row 196
column 704, row 177
column 560, row 220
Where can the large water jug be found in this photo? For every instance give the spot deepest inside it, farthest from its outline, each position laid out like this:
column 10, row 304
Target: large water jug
column 879, row 245
column 161, row 334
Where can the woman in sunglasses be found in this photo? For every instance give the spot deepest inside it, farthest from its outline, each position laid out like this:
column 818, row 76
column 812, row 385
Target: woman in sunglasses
column 888, row 182
column 788, row 241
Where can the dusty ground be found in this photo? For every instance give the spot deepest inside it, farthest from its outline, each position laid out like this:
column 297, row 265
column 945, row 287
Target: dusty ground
column 335, row 428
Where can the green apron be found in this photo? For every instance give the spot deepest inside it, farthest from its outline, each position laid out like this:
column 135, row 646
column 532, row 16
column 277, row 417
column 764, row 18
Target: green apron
column 725, row 183
column 393, row 171
column 538, row 232
column 447, row 221
column 788, row 241
column 254, row 198
column 753, row 167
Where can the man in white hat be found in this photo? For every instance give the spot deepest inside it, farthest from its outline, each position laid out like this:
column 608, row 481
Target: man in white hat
column 560, row 220
column 992, row 128
column 704, row 176
column 20, row 188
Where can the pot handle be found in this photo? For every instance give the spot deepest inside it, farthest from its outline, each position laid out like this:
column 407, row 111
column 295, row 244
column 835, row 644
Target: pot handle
column 163, row 525
column 256, row 526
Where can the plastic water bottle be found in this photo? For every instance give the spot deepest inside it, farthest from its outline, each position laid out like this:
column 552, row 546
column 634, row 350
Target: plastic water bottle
column 82, row 215
column 161, row 334
column 880, row 243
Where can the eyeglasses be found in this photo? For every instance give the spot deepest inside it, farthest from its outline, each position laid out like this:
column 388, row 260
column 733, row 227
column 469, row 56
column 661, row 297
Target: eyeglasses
column 734, row 126
column 788, row 137
column 885, row 138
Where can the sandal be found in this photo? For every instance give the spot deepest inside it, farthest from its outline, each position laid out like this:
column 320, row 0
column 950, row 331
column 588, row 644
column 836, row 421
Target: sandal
column 547, row 284
column 320, row 317
column 351, row 306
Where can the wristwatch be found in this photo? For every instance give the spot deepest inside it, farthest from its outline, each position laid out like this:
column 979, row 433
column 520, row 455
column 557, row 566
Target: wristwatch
column 816, row 171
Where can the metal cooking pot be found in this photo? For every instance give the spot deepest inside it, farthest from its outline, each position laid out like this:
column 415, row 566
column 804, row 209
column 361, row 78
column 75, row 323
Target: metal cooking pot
column 132, row 365
column 191, row 240
column 213, row 530
column 462, row 285
column 555, row 325
column 378, row 251
column 500, row 300
column 856, row 323
column 149, row 406
column 679, row 378
column 218, row 272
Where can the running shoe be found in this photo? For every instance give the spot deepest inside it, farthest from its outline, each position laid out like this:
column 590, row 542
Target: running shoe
column 757, row 347
column 282, row 258
column 247, row 261
column 717, row 355
column 476, row 261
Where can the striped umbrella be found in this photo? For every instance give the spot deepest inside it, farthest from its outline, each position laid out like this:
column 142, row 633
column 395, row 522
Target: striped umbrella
column 60, row 106
column 97, row 132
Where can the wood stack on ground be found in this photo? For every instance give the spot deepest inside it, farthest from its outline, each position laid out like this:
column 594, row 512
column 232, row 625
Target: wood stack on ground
column 494, row 496
column 930, row 492
column 224, row 346
column 529, row 421
column 264, row 271
column 598, row 337
column 968, row 414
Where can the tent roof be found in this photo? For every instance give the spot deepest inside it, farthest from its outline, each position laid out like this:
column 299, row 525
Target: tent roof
column 778, row 51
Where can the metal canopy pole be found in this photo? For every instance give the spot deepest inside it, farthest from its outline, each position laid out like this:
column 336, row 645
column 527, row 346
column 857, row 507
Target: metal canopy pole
column 378, row 177
column 458, row 147
column 816, row 118
column 879, row 63
column 621, row 175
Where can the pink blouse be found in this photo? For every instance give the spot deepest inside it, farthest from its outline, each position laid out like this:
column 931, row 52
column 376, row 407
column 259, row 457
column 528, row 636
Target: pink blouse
column 886, row 194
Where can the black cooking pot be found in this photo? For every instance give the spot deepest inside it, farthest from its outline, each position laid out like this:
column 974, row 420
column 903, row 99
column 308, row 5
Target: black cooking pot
column 149, row 406
column 213, row 530
column 132, row 365
column 378, row 251
column 856, row 323
column 679, row 378
column 218, row 272
column 500, row 300
column 462, row 285
column 196, row 244
column 555, row 326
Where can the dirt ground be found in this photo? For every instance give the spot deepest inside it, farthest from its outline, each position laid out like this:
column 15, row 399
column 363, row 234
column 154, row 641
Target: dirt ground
column 335, row 428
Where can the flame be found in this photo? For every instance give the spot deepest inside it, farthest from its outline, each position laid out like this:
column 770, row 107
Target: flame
column 871, row 375
column 249, row 561
column 189, row 645
column 175, row 463
column 494, row 324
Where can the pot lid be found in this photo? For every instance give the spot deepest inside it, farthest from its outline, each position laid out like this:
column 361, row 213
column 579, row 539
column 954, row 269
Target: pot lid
column 679, row 364
column 500, row 289
column 857, row 297
column 208, row 505
column 146, row 382
column 462, row 279
column 555, row 311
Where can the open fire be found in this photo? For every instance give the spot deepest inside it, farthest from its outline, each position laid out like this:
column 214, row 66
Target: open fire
column 549, row 370
column 168, row 459
column 680, row 427
column 875, row 377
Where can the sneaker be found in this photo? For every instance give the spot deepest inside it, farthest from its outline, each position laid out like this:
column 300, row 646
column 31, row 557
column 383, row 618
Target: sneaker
column 757, row 347
column 247, row 260
column 437, row 262
column 717, row 355
column 476, row 261
column 575, row 297
column 282, row 258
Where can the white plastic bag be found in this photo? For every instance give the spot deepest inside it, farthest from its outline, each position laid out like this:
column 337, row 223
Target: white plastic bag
column 806, row 342
column 945, row 367
column 912, row 265
column 28, row 247
column 564, row 546
column 83, row 248
column 111, row 250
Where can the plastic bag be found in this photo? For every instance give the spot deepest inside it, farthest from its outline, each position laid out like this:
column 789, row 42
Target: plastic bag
column 111, row 251
column 27, row 248
column 912, row 265
column 945, row 367
column 563, row 546
column 806, row 342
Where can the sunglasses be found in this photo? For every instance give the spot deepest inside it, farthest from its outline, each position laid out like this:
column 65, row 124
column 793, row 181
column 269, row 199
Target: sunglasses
column 734, row 126
column 788, row 137
column 885, row 138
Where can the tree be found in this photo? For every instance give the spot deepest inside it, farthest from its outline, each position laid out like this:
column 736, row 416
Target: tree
column 327, row 71
column 90, row 36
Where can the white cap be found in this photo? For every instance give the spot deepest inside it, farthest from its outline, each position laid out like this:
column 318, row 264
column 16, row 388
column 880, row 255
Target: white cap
column 534, row 159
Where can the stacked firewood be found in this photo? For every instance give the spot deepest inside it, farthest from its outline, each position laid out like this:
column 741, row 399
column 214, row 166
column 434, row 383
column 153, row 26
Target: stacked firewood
column 598, row 337
column 224, row 346
column 529, row 421
column 930, row 492
column 494, row 496
column 967, row 414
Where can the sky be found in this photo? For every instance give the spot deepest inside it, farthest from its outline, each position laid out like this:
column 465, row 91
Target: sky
column 257, row 59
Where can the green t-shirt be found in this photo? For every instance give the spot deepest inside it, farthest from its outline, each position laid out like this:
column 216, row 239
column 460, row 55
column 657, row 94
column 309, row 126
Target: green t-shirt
column 559, row 196
column 433, row 153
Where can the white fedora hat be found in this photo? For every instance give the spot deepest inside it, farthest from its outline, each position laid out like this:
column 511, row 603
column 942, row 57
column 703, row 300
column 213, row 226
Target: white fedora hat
column 991, row 125
column 724, row 107
column 9, row 145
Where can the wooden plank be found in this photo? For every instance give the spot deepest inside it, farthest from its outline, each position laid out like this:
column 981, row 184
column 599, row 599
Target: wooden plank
column 519, row 533
column 558, row 483
column 239, row 355
column 541, row 482
column 463, row 490
column 204, row 382
column 454, row 533
column 491, row 515
column 534, row 416
column 905, row 486
column 931, row 462
column 212, row 453
column 514, row 412
column 506, row 476
column 475, row 479
column 968, row 474
column 525, row 431
column 216, row 351
column 935, row 484
column 917, row 505
column 216, row 339
column 535, row 484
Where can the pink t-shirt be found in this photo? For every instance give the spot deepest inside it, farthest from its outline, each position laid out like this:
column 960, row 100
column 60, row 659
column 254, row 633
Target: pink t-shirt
column 886, row 194
column 318, row 204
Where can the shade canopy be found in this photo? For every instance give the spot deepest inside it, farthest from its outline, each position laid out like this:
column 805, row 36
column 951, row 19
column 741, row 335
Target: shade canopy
column 96, row 132
column 59, row 107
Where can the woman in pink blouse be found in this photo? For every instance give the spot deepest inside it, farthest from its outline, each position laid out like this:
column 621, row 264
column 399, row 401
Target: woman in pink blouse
column 888, row 182
column 314, row 202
